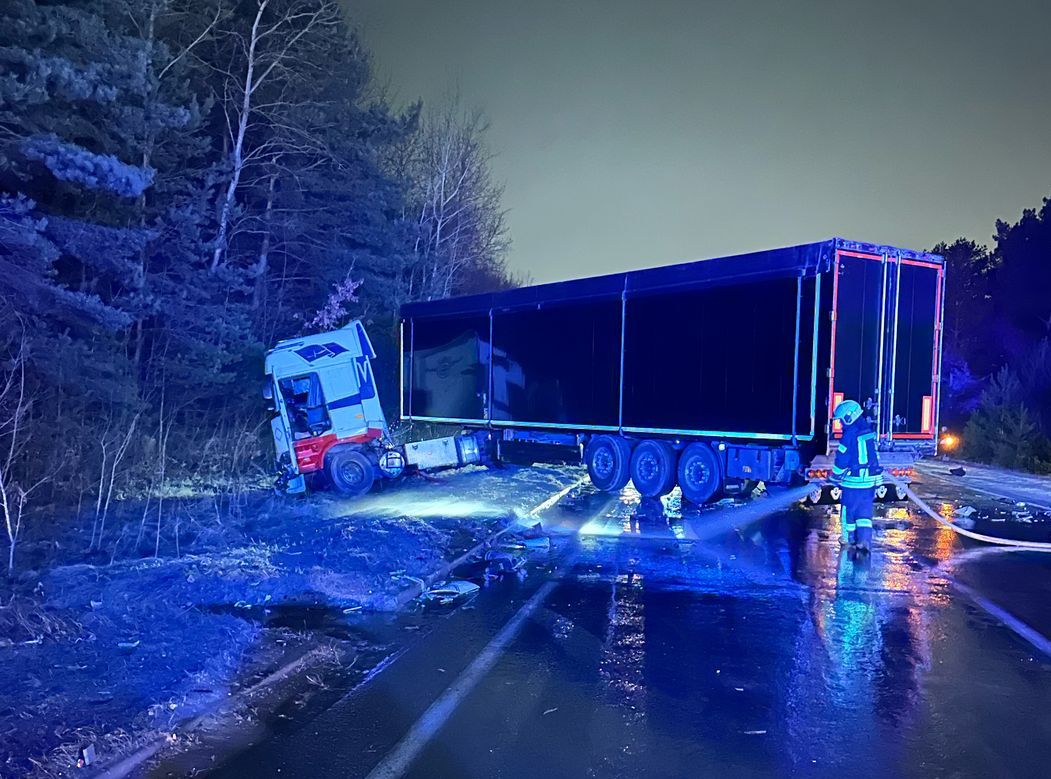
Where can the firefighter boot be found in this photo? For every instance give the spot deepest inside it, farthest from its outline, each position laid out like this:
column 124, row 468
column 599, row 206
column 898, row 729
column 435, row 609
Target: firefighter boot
column 847, row 529
column 864, row 535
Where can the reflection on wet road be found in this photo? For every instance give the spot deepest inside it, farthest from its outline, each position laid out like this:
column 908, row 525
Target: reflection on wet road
column 668, row 650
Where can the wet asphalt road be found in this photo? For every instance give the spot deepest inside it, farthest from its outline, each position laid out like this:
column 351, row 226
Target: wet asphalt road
column 663, row 645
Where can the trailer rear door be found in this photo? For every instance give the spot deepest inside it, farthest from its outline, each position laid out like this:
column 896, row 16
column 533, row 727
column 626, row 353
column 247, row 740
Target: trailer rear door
column 859, row 305
column 886, row 342
column 914, row 367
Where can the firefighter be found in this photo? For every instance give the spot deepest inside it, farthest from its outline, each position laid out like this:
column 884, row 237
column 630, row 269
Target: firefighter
column 857, row 471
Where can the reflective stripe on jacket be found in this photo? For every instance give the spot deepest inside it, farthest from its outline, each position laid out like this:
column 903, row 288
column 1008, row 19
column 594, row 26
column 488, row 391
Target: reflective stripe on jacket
column 857, row 462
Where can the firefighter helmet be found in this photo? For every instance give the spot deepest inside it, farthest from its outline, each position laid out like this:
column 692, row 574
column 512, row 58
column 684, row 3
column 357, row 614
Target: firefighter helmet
column 848, row 412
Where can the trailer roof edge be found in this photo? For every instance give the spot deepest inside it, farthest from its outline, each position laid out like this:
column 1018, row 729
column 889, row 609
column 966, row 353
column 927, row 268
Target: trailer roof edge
column 804, row 259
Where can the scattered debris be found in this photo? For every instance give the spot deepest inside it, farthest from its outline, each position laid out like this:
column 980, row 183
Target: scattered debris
column 499, row 563
column 128, row 646
column 957, row 471
column 532, row 532
column 550, row 711
column 755, row 732
column 965, row 517
column 87, row 756
column 449, row 592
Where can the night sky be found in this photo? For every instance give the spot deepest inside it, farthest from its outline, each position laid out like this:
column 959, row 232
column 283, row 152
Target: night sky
column 631, row 134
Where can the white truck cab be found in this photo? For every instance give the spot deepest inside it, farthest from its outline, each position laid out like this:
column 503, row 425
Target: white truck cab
column 323, row 391
column 327, row 418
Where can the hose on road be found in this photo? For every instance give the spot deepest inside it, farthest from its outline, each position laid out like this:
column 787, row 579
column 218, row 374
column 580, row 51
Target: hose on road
column 1035, row 546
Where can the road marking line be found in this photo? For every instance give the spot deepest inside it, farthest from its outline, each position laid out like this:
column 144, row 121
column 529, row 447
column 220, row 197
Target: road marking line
column 398, row 760
column 1008, row 620
column 431, row 721
column 945, row 479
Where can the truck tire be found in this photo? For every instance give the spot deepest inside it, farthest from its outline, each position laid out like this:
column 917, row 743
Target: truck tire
column 653, row 468
column 349, row 471
column 700, row 476
column 608, row 458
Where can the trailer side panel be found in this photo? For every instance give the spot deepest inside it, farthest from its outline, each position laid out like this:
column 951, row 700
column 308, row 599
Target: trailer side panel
column 448, row 369
column 558, row 365
column 718, row 360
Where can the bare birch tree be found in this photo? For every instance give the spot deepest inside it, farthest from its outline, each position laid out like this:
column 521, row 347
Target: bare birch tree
column 16, row 485
column 259, row 80
column 455, row 205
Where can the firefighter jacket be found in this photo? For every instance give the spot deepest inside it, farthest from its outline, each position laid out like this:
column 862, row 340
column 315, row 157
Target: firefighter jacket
column 856, row 465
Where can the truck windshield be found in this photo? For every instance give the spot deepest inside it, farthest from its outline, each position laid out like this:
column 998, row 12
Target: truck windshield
column 306, row 405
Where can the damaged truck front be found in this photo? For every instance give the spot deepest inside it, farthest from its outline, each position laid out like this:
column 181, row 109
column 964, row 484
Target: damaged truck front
column 707, row 375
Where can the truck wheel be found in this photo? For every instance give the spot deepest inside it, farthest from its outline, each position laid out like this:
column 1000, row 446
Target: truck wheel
column 350, row 471
column 608, row 459
column 700, row 476
column 653, row 468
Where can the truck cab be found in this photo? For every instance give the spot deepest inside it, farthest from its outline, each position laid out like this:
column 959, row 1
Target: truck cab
column 326, row 411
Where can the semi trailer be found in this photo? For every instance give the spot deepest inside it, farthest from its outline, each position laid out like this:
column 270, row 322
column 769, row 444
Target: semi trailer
column 709, row 375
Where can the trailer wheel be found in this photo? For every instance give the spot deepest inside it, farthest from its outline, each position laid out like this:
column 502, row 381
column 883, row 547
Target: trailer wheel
column 349, row 471
column 653, row 468
column 700, row 476
column 608, row 459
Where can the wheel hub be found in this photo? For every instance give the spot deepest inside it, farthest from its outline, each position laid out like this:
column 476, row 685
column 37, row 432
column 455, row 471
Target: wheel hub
column 697, row 472
column 648, row 467
column 352, row 473
column 603, row 463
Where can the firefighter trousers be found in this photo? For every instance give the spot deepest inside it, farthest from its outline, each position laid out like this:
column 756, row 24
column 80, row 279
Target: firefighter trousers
column 856, row 515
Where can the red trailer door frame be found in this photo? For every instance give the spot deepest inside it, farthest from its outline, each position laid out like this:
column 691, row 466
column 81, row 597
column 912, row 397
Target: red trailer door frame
column 877, row 364
column 860, row 286
column 913, row 404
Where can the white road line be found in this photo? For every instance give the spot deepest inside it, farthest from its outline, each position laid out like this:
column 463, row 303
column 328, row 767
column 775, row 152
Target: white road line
column 944, row 479
column 398, row 760
column 427, row 726
column 1008, row 620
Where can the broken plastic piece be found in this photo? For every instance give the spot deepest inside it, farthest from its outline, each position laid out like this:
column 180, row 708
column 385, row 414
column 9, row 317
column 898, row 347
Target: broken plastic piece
column 451, row 591
column 87, row 756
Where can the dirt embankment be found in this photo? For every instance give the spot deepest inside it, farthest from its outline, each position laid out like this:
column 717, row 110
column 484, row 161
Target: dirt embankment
column 115, row 653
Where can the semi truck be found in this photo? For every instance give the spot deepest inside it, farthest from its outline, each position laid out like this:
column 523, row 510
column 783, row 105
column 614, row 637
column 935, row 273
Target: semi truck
column 709, row 375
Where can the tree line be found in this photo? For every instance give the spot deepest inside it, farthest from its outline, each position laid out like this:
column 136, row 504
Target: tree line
column 996, row 373
column 182, row 183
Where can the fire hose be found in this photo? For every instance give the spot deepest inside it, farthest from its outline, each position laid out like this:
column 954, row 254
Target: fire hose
column 1035, row 546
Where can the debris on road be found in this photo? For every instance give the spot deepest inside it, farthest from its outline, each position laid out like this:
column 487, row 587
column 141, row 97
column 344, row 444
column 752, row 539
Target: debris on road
column 450, row 592
column 957, row 471
column 499, row 563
